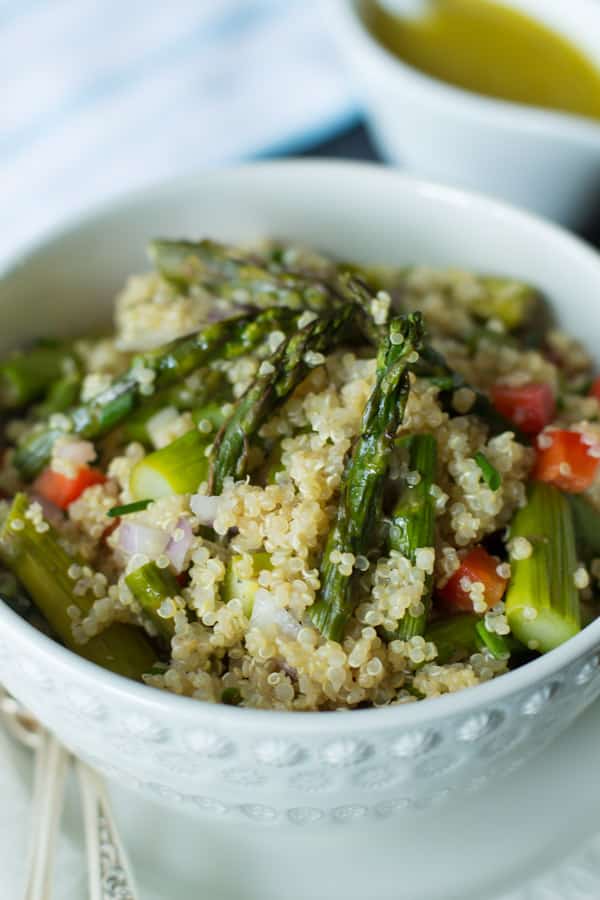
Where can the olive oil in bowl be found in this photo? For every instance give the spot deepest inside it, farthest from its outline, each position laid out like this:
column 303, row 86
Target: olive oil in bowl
column 491, row 49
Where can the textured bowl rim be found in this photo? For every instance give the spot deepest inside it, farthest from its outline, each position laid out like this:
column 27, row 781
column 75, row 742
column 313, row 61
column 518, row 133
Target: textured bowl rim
column 402, row 715
column 495, row 110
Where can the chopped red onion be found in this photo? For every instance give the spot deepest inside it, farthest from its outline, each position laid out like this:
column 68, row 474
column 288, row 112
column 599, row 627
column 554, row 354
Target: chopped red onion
column 180, row 543
column 79, row 452
column 52, row 513
column 137, row 538
column 266, row 612
column 204, row 508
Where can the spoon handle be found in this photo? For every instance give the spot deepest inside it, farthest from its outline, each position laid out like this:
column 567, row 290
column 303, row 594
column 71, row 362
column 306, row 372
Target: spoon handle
column 51, row 762
column 110, row 875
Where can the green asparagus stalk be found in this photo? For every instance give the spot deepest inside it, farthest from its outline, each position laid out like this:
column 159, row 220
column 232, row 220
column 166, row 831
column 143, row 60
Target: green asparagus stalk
column 227, row 339
column 413, row 523
column 354, row 290
column 284, row 371
column 26, row 375
column 233, row 275
column 455, row 637
column 364, row 474
column 542, row 603
column 151, row 586
column 274, row 464
column 62, row 394
column 42, row 566
column 178, row 468
column 209, row 385
column 513, row 302
column 434, row 366
column 210, row 414
column 586, row 520
column 16, row 597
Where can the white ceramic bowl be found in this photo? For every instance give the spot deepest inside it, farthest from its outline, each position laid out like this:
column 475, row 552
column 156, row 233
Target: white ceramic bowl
column 546, row 161
column 298, row 768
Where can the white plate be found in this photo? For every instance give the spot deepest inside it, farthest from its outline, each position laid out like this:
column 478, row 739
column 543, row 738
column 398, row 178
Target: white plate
column 533, row 836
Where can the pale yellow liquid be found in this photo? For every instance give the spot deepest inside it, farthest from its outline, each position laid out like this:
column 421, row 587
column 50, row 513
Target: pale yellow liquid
column 491, row 49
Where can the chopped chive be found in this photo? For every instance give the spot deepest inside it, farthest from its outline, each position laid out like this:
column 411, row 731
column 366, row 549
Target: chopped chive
column 491, row 475
column 495, row 643
column 128, row 508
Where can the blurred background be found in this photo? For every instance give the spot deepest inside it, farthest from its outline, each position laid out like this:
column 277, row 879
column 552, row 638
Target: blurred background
column 104, row 96
column 100, row 97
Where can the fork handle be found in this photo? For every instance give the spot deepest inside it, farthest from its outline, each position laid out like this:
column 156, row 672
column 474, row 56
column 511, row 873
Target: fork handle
column 110, row 875
column 51, row 762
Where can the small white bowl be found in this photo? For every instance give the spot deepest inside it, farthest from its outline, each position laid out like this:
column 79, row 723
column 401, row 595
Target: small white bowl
column 546, row 161
column 297, row 768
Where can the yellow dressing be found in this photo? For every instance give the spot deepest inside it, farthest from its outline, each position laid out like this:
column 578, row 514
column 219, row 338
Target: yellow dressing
column 493, row 50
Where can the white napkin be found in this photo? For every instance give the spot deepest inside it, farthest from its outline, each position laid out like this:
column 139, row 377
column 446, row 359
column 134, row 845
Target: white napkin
column 101, row 96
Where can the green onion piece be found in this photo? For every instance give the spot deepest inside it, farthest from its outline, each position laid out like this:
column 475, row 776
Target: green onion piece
column 495, row 643
column 128, row 508
column 542, row 602
column 490, row 473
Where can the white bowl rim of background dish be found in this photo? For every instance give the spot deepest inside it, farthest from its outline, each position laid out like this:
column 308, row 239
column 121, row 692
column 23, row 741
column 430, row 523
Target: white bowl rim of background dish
column 410, row 714
column 560, row 16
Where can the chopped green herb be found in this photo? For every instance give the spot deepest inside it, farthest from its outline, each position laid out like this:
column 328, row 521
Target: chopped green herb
column 128, row 508
column 491, row 475
column 495, row 643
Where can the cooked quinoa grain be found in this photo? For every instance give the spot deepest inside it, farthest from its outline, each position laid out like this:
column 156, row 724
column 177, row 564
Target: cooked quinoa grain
column 383, row 500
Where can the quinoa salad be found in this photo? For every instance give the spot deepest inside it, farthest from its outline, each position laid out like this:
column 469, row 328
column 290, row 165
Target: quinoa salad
column 294, row 483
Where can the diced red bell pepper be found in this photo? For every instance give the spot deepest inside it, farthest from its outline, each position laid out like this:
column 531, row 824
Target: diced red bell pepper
column 566, row 461
column 62, row 490
column 477, row 565
column 528, row 406
column 595, row 388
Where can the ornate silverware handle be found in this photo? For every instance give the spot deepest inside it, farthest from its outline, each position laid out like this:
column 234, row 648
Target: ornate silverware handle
column 110, row 875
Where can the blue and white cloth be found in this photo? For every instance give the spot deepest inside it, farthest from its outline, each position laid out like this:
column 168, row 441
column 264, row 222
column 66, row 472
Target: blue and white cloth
column 101, row 96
